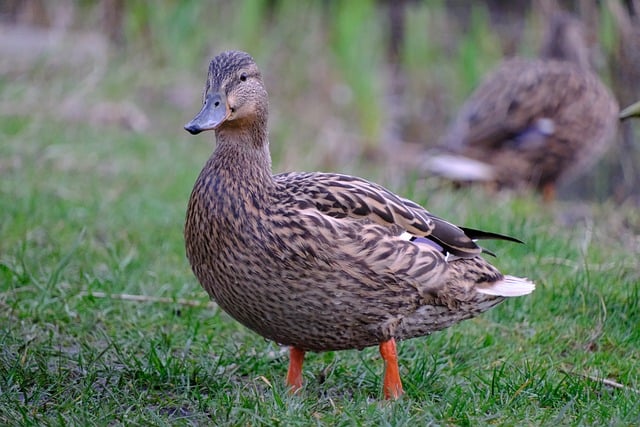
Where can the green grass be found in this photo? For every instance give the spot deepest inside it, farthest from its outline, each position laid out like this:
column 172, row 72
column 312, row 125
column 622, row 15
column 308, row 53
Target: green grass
column 89, row 207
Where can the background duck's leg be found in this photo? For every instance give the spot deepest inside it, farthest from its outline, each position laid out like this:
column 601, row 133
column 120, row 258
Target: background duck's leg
column 294, row 375
column 392, row 387
column 548, row 193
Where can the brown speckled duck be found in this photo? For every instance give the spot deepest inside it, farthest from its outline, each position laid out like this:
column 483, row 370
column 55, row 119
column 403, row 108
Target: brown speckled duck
column 533, row 122
column 321, row 261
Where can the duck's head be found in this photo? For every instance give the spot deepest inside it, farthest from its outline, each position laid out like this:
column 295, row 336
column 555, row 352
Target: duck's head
column 234, row 94
column 565, row 39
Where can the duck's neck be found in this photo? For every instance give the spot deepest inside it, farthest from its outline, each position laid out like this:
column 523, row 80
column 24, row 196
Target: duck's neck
column 242, row 155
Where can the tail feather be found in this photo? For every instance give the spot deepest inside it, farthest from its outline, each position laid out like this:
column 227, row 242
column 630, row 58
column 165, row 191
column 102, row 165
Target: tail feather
column 459, row 168
column 510, row 286
column 479, row 235
column 487, row 235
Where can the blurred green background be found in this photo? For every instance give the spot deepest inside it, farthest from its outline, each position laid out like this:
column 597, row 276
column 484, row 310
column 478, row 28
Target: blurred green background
column 351, row 82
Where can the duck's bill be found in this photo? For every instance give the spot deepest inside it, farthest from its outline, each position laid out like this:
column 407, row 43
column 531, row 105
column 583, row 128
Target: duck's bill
column 632, row 110
column 213, row 113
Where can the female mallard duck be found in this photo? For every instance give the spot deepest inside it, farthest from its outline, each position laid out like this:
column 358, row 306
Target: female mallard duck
column 321, row 261
column 533, row 122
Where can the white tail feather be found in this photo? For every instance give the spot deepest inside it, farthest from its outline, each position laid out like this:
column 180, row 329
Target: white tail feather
column 459, row 168
column 510, row 286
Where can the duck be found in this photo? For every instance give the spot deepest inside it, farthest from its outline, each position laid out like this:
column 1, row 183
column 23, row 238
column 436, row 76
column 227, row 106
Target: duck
column 321, row 261
column 624, row 70
column 533, row 122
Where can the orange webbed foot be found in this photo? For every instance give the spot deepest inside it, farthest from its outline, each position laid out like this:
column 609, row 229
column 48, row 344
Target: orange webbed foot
column 294, row 374
column 392, row 387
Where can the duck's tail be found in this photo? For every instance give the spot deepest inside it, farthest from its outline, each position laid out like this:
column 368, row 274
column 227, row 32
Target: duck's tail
column 509, row 286
column 459, row 168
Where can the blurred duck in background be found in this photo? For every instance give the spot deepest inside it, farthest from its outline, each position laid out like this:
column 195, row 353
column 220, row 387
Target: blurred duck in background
column 533, row 122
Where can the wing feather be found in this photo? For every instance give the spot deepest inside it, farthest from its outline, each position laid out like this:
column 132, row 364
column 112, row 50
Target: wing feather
column 339, row 196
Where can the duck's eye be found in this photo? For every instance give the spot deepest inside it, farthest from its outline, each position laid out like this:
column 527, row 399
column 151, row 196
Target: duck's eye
column 243, row 77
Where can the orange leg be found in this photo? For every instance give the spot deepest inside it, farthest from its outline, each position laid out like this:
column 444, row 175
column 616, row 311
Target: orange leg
column 392, row 387
column 548, row 193
column 294, row 375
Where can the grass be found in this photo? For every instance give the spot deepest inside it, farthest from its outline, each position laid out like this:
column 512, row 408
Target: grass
column 88, row 206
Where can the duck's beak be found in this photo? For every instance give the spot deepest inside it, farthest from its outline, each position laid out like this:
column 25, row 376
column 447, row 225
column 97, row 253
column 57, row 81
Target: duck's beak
column 632, row 110
column 214, row 112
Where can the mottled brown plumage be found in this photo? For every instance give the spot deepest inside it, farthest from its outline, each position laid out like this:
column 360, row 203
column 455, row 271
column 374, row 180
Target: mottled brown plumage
column 321, row 261
column 533, row 122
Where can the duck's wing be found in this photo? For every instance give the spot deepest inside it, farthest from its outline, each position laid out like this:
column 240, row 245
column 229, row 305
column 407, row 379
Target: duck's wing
column 389, row 246
column 519, row 104
column 343, row 196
